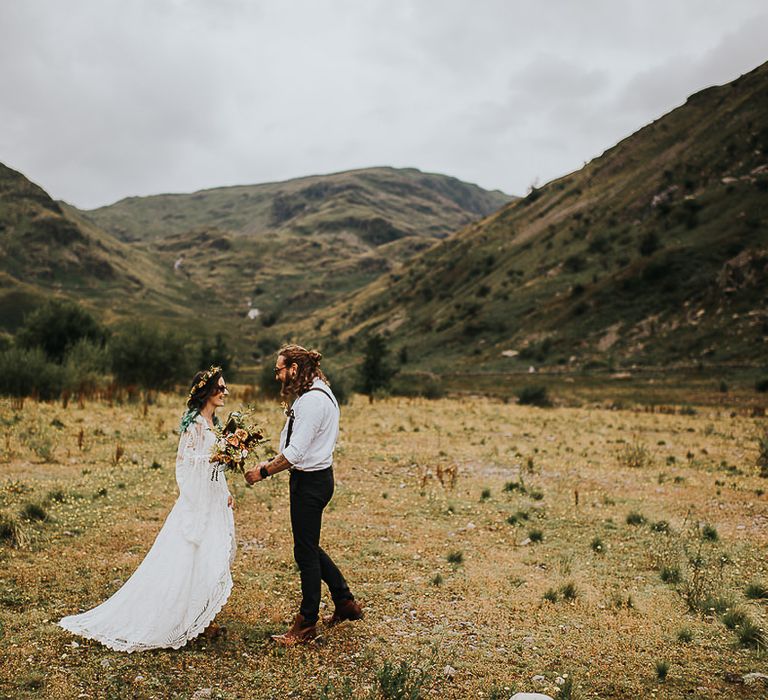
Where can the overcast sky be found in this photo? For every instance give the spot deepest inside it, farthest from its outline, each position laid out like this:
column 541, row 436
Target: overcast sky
column 103, row 99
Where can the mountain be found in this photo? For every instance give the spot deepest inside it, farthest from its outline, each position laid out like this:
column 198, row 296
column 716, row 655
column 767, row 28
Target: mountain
column 654, row 253
column 233, row 259
column 48, row 249
column 373, row 205
column 280, row 251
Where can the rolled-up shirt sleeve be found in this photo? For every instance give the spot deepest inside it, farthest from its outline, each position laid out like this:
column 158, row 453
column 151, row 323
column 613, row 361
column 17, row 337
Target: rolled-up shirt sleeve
column 310, row 415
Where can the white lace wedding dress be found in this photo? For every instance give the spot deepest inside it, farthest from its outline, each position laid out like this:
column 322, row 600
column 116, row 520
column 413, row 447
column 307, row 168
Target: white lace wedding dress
column 184, row 580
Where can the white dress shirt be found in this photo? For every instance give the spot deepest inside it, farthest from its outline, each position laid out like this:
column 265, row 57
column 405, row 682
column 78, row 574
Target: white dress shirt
column 315, row 429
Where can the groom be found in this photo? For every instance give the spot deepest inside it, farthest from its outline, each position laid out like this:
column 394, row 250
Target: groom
column 306, row 448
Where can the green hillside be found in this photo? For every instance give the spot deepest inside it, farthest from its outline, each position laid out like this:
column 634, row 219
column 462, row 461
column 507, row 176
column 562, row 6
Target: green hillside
column 655, row 253
column 47, row 249
column 374, row 205
column 235, row 259
column 281, row 251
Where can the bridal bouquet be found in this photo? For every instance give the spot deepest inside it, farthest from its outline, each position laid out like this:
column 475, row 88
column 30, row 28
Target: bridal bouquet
column 238, row 441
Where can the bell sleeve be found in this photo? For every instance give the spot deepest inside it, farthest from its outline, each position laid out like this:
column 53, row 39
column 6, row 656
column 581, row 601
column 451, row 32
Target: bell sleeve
column 193, row 476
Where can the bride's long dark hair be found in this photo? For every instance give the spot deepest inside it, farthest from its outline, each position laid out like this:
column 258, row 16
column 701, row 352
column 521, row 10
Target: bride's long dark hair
column 199, row 392
column 198, row 395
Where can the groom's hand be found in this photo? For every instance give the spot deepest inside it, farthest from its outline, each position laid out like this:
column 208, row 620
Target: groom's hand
column 254, row 475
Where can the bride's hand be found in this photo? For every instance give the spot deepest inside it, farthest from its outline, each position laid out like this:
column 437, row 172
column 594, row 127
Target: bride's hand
column 231, row 501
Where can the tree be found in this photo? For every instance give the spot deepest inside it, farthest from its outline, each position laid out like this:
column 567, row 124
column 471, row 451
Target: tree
column 29, row 373
column 375, row 372
column 218, row 354
column 56, row 326
column 150, row 358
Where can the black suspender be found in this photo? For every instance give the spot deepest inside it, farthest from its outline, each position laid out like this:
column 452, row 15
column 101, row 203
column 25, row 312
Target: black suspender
column 292, row 415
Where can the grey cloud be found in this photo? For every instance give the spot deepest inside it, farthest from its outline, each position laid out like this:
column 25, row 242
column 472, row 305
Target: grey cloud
column 102, row 99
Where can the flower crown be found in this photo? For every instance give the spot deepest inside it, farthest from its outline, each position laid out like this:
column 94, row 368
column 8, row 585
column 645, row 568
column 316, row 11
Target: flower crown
column 207, row 376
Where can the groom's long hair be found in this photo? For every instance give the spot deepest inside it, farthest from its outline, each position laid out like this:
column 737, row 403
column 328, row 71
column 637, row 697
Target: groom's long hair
column 308, row 363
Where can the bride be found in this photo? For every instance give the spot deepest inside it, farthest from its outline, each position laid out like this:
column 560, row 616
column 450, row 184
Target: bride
column 184, row 580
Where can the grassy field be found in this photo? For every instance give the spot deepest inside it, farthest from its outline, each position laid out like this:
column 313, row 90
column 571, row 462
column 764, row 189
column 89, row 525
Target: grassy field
column 539, row 568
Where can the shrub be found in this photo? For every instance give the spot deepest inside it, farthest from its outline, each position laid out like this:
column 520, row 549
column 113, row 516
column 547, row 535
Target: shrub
column 485, row 495
column 149, row 357
column 534, row 396
column 684, row 635
column 634, row 455
column 566, row 690
column 32, row 681
column 662, row 669
column 87, row 364
column 270, row 318
column 597, row 545
column 714, row 604
column 28, row 372
column 670, row 574
column 533, row 195
column 401, row 682
column 536, row 535
column 734, row 618
column 752, row 636
column 12, row 532
column 57, row 326
column 635, row 518
column 660, row 526
column 551, row 595
column 569, row 591
column 709, row 533
column 455, row 557
column 756, row 591
column 33, row 511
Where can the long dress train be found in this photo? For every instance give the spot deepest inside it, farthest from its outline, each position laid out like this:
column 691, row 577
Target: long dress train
column 184, row 580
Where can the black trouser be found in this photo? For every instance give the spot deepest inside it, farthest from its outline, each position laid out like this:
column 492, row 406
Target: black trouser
column 310, row 493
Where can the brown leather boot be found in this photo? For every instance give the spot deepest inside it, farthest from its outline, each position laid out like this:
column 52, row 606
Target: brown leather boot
column 345, row 610
column 299, row 633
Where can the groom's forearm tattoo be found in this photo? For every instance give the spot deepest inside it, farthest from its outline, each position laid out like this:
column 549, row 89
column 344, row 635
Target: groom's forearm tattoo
column 278, row 464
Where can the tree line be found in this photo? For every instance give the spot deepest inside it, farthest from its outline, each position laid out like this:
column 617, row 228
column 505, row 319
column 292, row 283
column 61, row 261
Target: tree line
column 62, row 348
